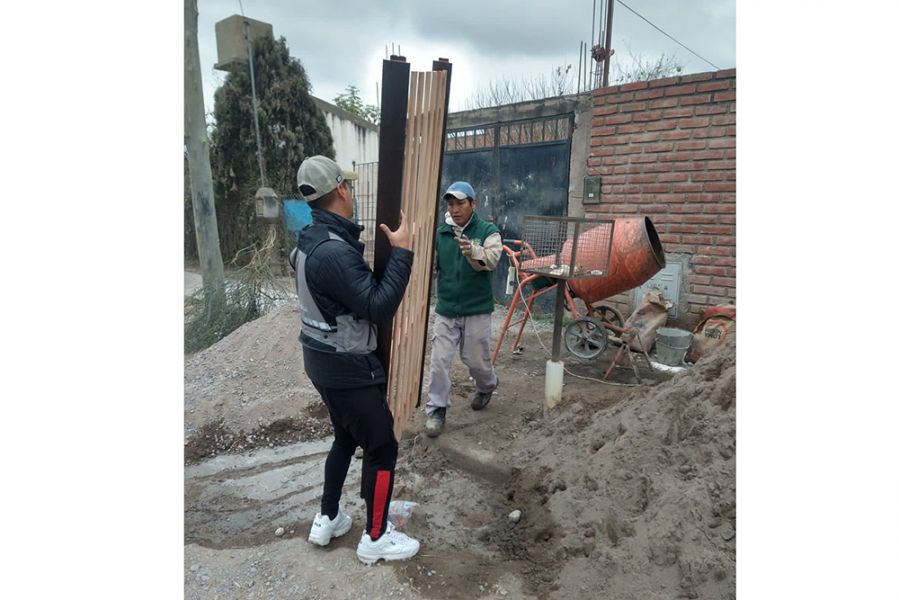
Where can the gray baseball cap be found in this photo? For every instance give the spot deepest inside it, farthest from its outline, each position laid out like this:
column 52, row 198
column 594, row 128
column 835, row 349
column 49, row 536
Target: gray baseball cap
column 319, row 175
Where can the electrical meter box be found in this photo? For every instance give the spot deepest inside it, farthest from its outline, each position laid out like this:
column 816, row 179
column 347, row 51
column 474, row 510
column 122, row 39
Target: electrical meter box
column 592, row 188
column 231, row 41
column 667, row 281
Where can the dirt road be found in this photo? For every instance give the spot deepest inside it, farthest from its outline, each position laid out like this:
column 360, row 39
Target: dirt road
column 625, row 492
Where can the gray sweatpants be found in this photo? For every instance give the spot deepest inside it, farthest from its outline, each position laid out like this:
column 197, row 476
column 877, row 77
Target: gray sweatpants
column 472, row 335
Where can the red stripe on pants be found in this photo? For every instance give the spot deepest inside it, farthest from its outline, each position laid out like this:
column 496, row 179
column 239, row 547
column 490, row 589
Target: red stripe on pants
column 382, row 486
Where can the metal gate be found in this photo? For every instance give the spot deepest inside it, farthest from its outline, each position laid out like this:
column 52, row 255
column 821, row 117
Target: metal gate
column 516, row 168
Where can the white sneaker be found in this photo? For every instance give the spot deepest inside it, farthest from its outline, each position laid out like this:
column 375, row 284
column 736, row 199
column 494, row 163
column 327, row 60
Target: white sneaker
column 323, row 528
column 392, row 545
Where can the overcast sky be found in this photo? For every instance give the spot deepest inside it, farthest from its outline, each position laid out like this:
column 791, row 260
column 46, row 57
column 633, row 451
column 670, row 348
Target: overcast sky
column 342, row 42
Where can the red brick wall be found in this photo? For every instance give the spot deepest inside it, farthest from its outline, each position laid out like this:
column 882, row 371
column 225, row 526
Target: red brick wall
column 666, row 149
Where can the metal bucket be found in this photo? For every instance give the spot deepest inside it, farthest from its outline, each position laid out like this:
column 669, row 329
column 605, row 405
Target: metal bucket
column 672, row 345
column 636, row 256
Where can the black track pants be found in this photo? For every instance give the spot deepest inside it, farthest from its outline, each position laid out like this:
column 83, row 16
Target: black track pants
column 361, row 418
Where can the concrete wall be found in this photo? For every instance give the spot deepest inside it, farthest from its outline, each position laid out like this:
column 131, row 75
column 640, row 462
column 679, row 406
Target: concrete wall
column 666, row 149
column 355, row 139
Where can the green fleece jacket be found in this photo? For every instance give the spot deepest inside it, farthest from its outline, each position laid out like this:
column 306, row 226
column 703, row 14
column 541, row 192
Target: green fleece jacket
column 463, row 290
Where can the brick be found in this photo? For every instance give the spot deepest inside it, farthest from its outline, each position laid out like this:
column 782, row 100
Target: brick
column 716, row 165
column 697, row 299
column 655, row 167
column 632, row 106
column 683, row 208
column 726, row 241
column 708, row 132
column 724, row 119
column 620, row 98
column 673, row 198
column 725, row 96
column 702, row 198
column 657, row 83
column 601, row 111
column 655, row 188
column 728, row 282
column 697, row 77
column 717, row 229
column 669, row 238
column 621, row 189
column 710, row 290
column 643, row 138
column 691, row 145
column 724, row 262
column 712, row 176
column 643, row 179
column 613, row 180
column 681, row 248
column 731, row 175
column 707, row 270
column 662, row 103
column 698, row 239
column 710, row 109
column 700, row 280
column 708, row 155
column 694, row 122
column 601, row 151
column 684, row 228
column 716, row 250
column 667, row 219
column 618, row 119
column 681, row 90
column 675, row 135
column 700, row 99
column 727, row 219
column 626, row 170
column 685, row 166
column 672, row 177
column 674, row 113
column 723, row 143
column 662, row 147
column 655, row 208
column 686, row 188
column 661, row 126
column 719, row 208
column 648, row 116
column 730, row 154
column 606, row 91
column 632, row 128
column 648, row 94
column 677, row 156
column 618, row 139
column 645, row 158
column 635, row 85
column 726, row 73
column 713, row 86
column 732, row 131
column 601, row 131
column 721, row 187
column 700, row 219
column 634, row 149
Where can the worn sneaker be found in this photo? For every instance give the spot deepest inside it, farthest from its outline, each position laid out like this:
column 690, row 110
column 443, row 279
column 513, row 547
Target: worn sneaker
column 435, row 423
column 323, row 528
column 481, row 399
column 392, row 545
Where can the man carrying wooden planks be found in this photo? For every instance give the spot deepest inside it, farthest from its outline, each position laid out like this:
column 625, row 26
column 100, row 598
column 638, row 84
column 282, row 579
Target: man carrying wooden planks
column 468, row 250
column 340, row 303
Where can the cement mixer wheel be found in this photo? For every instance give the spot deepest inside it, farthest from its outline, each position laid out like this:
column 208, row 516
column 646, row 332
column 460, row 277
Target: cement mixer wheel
column 610, row 315
column 586, row 338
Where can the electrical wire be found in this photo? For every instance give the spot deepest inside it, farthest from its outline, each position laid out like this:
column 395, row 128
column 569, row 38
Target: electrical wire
column 656, row 26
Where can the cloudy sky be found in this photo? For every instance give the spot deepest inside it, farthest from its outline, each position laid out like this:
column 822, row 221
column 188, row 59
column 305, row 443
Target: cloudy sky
column 343, row 42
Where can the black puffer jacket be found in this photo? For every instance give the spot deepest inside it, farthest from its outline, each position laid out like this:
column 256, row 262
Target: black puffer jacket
column 341, row 282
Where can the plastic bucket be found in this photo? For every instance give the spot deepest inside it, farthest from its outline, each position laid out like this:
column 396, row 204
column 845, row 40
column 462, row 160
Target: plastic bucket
column 672, row 345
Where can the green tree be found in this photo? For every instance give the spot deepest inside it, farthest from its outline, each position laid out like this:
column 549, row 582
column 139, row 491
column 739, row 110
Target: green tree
column 351, row 101
column 291, row 128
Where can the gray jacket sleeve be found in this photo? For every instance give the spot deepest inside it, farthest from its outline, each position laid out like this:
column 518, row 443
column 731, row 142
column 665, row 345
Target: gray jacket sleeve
column 486, row 256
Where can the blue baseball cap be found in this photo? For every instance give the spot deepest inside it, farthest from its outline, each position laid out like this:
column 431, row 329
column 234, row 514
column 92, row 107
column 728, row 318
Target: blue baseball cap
column 459, row 190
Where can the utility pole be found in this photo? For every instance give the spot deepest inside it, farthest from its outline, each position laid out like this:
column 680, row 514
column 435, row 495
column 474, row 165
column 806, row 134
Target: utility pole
column 197, row 144
column 605, row 64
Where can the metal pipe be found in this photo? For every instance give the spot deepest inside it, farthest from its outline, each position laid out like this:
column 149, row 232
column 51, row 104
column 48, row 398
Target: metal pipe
column 246, row 29
column 605, row 68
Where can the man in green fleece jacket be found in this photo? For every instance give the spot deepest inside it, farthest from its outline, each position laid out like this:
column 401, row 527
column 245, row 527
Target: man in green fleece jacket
column 468, row 250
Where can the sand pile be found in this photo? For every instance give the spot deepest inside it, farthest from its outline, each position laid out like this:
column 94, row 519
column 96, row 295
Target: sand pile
column 642, row 495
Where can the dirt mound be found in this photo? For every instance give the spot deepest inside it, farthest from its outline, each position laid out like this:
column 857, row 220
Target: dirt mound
column 250, row 389
column 642, row 495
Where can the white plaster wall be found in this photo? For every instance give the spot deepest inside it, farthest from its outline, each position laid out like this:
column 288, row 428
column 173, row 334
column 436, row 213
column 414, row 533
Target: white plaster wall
column 352, row 142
